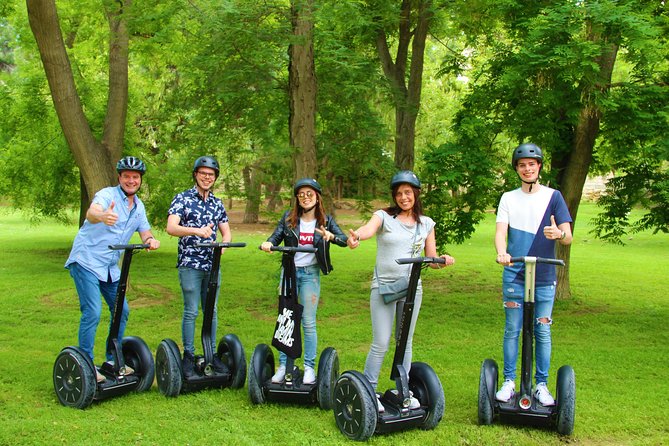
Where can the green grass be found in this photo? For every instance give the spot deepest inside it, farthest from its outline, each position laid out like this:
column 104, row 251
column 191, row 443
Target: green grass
column 613, row 332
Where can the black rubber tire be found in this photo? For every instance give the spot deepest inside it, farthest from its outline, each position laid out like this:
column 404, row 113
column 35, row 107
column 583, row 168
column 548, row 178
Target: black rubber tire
column 328, row 373
column 261, row 369
column 354, row 406
column 426, row 387
column 566, row 400
column 74, row 378
column 168, row 368
column 231, row 352
column 487, row 387
column 137, row 355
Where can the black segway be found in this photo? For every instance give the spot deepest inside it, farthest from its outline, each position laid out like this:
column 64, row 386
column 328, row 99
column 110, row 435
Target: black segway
column 74, row 376
column 523, row 406
column 169, row 373
column 355, row 406
column 292, row 389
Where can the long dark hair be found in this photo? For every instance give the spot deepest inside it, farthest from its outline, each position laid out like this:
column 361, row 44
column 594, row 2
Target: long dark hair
column 297, row 211
column 417, row 210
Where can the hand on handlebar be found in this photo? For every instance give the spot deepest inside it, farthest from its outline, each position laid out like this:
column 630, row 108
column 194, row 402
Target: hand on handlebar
column 266, row 246
column 504, row 259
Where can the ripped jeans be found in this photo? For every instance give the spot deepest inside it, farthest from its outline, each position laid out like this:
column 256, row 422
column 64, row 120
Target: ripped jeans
column 544, row 296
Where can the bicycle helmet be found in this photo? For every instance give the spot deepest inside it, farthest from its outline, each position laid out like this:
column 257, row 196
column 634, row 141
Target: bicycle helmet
column 527, row 150
column 307, row 182
column 131, row 163
column 206, row 161
column 405, row 176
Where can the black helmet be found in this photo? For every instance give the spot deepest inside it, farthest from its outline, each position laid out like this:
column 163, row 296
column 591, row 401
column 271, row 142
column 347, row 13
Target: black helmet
column 527, row 150
column 307, row 182
column 206, row 161
column 131, row 163
column 405, row 176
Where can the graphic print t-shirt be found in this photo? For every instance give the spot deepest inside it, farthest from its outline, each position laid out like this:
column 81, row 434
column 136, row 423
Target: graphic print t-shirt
column 306, row 239
column 527, row 214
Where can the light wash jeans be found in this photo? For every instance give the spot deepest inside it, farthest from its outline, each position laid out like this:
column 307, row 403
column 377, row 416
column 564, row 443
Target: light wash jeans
column 89, row 288
column 194, row 284
column 308, row 295
column 383, row 316
column 544, row 296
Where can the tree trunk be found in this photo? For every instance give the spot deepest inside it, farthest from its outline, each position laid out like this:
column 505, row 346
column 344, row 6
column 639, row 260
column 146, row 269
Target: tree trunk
column 302, row 90
column 572, row 179
column 252, row 188
column 94, row 159
column 273, row 192
column 406, row 96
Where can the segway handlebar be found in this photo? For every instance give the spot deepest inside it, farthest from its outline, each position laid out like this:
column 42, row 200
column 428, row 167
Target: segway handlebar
column 220, row 245
column 131, row 246
column 420, row 260
column 292, row 249
column 531, row 259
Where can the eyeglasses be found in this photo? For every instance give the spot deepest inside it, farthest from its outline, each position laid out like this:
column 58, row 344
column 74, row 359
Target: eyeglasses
column 206, row 174
column 307, row 194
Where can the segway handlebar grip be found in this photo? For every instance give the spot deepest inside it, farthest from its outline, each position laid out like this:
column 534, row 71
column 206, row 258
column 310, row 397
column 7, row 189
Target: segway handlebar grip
column 292, row 249
column 221, row 244
column 408, row 260
column 528, row 259
column 131, row 246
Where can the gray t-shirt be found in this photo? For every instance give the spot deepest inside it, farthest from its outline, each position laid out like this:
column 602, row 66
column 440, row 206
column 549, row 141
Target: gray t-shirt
column 395, row 240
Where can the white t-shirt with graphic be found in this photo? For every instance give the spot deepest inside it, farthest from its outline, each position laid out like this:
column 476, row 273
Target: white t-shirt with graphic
column 306, row 239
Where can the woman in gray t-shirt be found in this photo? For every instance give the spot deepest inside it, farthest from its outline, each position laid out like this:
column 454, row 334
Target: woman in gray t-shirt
column 401, row 231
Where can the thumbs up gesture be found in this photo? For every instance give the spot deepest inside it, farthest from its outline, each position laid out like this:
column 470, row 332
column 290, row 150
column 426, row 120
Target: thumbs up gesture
column 109, row 217
column 552, row 232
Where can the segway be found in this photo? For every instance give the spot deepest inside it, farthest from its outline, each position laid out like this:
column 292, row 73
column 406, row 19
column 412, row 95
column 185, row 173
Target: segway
column 355, row 406
column 74, row 375
column 523, row 407
column 169, row 372
column 292, row 389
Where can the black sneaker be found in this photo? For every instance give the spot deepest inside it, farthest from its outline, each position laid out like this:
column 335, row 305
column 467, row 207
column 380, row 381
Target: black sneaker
column 219, row 366
column 188, row 365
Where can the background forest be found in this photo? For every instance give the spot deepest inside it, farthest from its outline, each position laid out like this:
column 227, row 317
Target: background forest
column 346, row 91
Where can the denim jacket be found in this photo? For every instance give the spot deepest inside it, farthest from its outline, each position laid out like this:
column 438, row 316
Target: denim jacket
column 287, row 235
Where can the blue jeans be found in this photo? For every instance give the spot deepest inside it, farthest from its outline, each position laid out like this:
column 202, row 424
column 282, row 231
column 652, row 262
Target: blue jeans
column 384, row 316
column 544, row 296
column 194, row 284
column 89, row 288
column 308, row 295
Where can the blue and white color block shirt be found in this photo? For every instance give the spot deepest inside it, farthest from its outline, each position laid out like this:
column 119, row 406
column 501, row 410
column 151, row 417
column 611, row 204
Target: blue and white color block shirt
column 527, row 214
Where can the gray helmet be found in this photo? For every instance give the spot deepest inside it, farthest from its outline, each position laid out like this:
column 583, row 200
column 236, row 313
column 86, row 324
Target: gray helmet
column 307, row 182
column 527, row 150
column 131, row 163
column 405, row 176
column 206, row 161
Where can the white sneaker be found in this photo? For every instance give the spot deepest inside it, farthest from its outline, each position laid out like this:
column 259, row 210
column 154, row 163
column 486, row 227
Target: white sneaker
column 413, row 402
column 543, row 395
column 99, row 377
column 279, row 375
column 379, row 405
column 507, row 391
column 309, row 376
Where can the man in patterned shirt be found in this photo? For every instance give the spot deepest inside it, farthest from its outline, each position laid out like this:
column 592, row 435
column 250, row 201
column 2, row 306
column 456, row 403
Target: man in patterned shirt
column 194, row 216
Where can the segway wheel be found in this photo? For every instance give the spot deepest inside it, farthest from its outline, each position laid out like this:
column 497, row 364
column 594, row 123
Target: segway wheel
column 74, row 379
column 261, row 369
column 426, row 387
column 168, row 368
column 354, row 406
column 328, row 372
column 566, row 400
column 231, row 352
column 137, row 355
column 487, row 388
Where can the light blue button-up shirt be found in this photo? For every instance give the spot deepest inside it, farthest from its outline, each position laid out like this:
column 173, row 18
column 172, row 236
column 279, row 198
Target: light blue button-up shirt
column 91, row 245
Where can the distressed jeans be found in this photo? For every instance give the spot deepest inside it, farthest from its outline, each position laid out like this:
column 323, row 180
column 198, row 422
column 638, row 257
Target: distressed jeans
column 544, row 296
column 383, row 317
column 308, row 295
column 194, row 284
column 89, row 289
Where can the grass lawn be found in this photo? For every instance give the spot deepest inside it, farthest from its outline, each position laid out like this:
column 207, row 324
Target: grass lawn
column 613, row 332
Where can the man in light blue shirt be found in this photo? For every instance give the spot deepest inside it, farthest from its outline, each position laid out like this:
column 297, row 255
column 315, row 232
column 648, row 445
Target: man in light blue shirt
column 113, row 216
